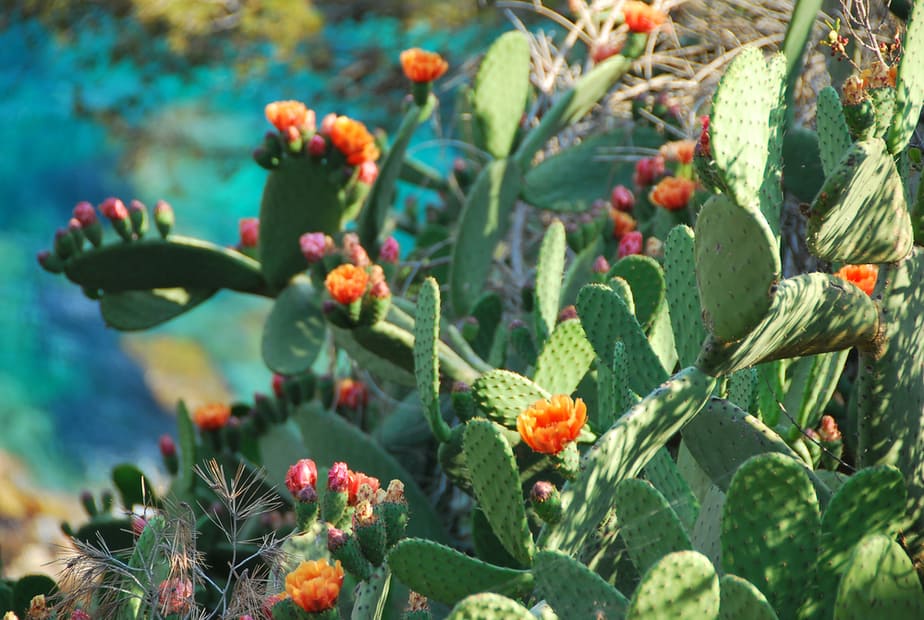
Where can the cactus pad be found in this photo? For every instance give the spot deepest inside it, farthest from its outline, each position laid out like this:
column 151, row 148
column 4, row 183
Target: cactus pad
column 646, row 279
column 909, row 83
column 549, row 270
column 664, row 474
column 681, row 585
column 426, row 356
column 565, row 359
column 573, row 590
column 501, row 90
column 833, row 134
column 647, row 523
column 740, row 599
column 139, row 310
column 503, row 395
column 489, row 606
column 682, row 294
column 880, row 581
column 295, row 330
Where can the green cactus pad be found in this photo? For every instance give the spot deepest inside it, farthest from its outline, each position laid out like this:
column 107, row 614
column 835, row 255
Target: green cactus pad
column 301, row 195
column 889, row 395
column 806, row 318
column 503, row 395
column 135, row 489
column 26, row 588
column 488, row 606
column 295, row 330
column 613, row 394
column 446, row 575
column 740, row 599
column 879, row 581
column 742, row 389
column 501, row 91
column 872, row 501
column 426, row 356
column 179, row 262
column 860, row 215
column 770, row 529
column 622, row 452
column 140, row 310
column 647, row 523
column 329, row 438
column 682, row 585
column 682, row 294
column 379, row 366
column 833, row 134
column 737, row 266
column 565, row 359
column 572, row 106
column 706, row 534
column 575, row 591
column 372, row 595
column 549, row 270
column 495, row 478
column 488, row 310
column 802, row 162
column 909, row 83
column 664, row 474
column 487, row 546
column 485, row 218
column 646, row 279
column 606, row 320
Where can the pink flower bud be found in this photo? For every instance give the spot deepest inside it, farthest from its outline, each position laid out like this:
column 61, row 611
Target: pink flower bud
column 828, row 430
column 336, row 538
column 136, row 205
column 648, row 170
column 567, row 313
column 315, row 246
column 79, row 614
column 167, row 446
column 303, row 474
column 368, row 172
column 354, row 251
column 380, row 290
column 327, row 124
column 631, row 243
column 250, row 232
column 74, row 224
column 278, row 381
column 338, row 478
column 138, row 525
column 390, row 251
column 85, row 213
column 114, row 209
column 317, row 146
column 622, row 198
column 601, row 265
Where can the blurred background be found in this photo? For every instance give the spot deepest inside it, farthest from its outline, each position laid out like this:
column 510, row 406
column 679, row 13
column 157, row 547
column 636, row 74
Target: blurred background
column 159, row 99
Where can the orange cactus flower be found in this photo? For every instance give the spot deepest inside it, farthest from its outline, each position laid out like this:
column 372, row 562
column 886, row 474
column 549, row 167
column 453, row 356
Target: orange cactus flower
column 547, row 426
column 672, row 193
column 212, row 416
column 347, row 283
column 288, row 115
column 680, row 151
column 422, row 66
column 314, row 586
column 863, row 276
column 353, row 140
column 641, row 17
column 622, row 223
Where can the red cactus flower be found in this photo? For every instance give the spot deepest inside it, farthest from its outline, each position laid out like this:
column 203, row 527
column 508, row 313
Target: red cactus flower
column 862, row 276
column 641, row 17
column 353, row 140
column 673, row 193
column 422, row 66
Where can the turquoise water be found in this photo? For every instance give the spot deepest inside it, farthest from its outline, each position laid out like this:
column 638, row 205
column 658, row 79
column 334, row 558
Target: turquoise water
column 73, row 402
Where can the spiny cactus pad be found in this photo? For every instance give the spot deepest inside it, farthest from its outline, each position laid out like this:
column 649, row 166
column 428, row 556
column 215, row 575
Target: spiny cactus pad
column 138, row 310
column 833, row 134
column 448, row 576
column 381, row 367
column 549, row 271
column 664, row 474
column 860, row 215
column 489, row 606
column 682, row 294
column 496, row 481
column 770, row 529
column 501, row 90
column 573, row 590
column 565, row 359
column 372, row 594
column 909, row 83
column 737, row 266
column 647, row 523
column 812, row 384
column 740, row 599
column 622, row 452
column 646, row 279
column 613, row 394
column 681, row 585
column 295, row 329
column 426, row 356
column 706, row 534
column 503, row 395
column 880, row 581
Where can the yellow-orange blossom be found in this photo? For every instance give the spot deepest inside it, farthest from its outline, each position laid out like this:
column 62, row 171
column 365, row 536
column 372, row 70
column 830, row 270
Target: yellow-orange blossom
column 547, row 426
column 314, row 586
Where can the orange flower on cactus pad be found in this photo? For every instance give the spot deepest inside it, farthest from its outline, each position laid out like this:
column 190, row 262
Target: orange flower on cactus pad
column 863, row 276
column 422, row 66
column 287, row 115
column 353, row 140
column 347, row 283
column 212, row 416
column 680, row 151
column 641, row 17
column 314, row 586
column 672, row 193
column 548, row 426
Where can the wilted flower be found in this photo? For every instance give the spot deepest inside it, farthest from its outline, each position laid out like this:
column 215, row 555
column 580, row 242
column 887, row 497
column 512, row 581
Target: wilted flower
column 175, row 596
column 356, row 480
column 547, row 426
column 352, row 394
column 679, row 150
column 317, row 146
column 422, row 66
column 828, row 430
column 85, row 214
column 368, row 172
column 622, row 198
column 315, row 246
column 622, row 223
column 338, row 478
column 601, row 265
column 390, row 251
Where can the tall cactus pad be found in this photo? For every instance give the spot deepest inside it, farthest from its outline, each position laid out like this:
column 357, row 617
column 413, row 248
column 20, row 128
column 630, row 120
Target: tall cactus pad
column 770, row 529
column 890, row 409
column 565, row 359
column 740, row 599
column 737, row 266
column 606, row 320
column 489, row 607
column 426, row 356
column 682, row 585
column 860, row 214
column 501, row 91
column 623, row 451
column 909, row 83
column 448, row 576
column 807, row 318
column 485, row 218
column 503, row 395
column 575, row 591
column 139, row 310
column 549, row 271
column 743, row 124
column 646, row 279
column 496, row 481
column 380, row 367
column 833, row 134
column 880, row 582
column 682, row 294
column 812, row 384
column 372, row 595
column 647, row 523
column 664, row 474
column 179, row 262
column 295, row 329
